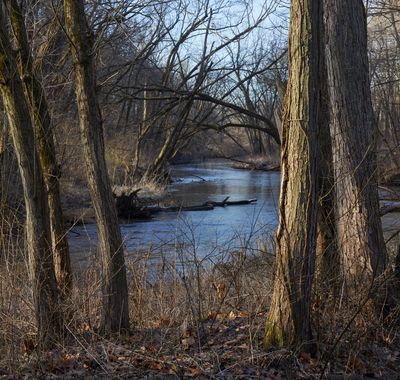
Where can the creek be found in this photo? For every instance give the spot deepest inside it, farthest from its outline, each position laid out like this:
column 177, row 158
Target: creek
column 229, row 227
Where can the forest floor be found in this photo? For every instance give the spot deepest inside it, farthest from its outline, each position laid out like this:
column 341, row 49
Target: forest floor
column 194, row 322
column 230, row 347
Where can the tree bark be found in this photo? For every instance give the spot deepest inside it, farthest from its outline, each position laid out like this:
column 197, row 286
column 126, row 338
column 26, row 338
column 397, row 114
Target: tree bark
column 289, row 320
column 40, row 116
column 115, row 315
column 328, row 270
column 3, row 205
column 353, row 133
column 41, row 266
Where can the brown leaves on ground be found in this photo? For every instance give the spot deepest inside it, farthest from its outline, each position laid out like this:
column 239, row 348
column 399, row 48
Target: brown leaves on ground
column 226, row 346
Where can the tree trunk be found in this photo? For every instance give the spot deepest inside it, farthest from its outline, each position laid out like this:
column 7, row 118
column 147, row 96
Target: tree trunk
column 40, row 116
column 353, row 133
column 41, row 266
column 3, row 205
column 115, row 316
column 289, row 320
column 328, row 271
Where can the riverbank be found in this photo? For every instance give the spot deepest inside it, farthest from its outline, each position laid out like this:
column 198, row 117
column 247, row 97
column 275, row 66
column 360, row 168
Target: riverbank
column 259, row 162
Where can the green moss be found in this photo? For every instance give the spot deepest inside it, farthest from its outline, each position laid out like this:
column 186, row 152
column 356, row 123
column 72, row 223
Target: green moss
column 274, row 335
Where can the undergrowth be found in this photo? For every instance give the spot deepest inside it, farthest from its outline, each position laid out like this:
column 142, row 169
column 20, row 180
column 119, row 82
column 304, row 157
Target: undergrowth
column 192, row 316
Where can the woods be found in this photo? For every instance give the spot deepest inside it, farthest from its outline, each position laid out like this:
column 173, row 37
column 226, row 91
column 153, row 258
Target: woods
column 117, row 113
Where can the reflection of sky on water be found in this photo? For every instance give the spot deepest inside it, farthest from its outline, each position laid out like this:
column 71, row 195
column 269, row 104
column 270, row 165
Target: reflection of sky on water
column 230, row 227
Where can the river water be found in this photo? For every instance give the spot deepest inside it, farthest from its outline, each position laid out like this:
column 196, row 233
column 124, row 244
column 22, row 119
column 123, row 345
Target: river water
column 230, row 227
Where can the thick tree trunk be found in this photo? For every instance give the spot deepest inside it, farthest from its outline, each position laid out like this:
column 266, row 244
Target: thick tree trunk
column 353, row 132
column 289, row 320
column 115, row 316
column 38, row 108
column 328, row 271
column 41, row 266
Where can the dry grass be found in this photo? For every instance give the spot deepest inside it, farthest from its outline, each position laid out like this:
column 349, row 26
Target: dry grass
column 193, row 316
column 166, row 291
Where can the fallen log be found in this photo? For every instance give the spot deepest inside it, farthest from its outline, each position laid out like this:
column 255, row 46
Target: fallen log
column 389, row 207
column 217, row 204
column 206, row 206
column 226, row 202
column 135, row 213
column 239, row 203
column 203, row 207
column 129, row 206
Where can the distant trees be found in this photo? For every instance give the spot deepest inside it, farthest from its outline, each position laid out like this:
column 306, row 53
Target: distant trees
column 190, row 91
column 384, row 50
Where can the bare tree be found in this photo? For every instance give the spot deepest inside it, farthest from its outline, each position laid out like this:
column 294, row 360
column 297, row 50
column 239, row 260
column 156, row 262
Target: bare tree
column 328, row 268
column 41, row 265
column 384, row 50
column 40, row 115
column 289, row 319
column 115, row 316
column 354, row 133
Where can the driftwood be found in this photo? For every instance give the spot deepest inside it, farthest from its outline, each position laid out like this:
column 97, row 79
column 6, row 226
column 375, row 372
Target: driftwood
column 217, row 204
column 129, row 206
column 226, row 202
column 388, row 207
column 239, row 203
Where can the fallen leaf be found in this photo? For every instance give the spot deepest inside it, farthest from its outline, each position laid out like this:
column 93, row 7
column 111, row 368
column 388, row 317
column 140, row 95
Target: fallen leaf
column 112, row 358
column 191, row 372
column 173, row 370
column 29, row 346
column 156, row 365
column 305, row 357
column 221, row 290
column 188, row 342
column 232, row 315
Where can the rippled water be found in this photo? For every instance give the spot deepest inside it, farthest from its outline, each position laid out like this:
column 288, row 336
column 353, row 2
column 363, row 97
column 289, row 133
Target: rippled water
column 229, row 227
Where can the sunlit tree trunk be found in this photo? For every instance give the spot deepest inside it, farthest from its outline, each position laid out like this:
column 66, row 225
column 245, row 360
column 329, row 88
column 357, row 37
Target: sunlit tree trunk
column 289, row 319
column 115, row 316
column 41, row 266
column 39, row 111
column 353, row 132
column 328, row 271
